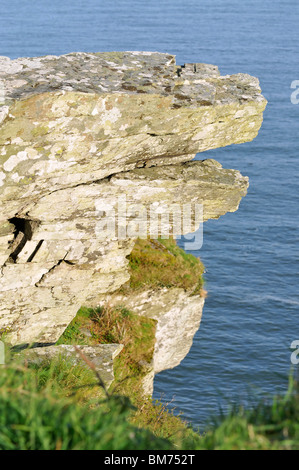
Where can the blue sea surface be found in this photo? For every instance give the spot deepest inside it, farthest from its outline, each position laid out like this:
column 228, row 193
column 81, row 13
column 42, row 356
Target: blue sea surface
column 242, row 349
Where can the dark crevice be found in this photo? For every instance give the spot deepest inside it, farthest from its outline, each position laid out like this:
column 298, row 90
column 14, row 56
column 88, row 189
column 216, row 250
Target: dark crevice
column 35, row 251
column 24, row 346
column 23, row 232
column 69, row 262
column 52, row 269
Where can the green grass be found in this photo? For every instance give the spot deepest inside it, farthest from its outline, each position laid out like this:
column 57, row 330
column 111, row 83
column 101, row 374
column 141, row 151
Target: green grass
column 41, row 408
column 267, row 426
column 35, row 416
column 131, row 366
column 161, row 263
column 153, row 264
column 59, row 406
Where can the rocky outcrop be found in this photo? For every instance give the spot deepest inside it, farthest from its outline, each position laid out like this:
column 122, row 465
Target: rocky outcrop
column 178, row 315
column 81, row 137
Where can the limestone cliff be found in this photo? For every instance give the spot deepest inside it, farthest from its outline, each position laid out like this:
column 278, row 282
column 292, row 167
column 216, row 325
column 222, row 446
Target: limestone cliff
column 79, row 135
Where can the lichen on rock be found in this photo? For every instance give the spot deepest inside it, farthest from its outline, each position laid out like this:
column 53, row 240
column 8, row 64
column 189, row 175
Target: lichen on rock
column 80, row 134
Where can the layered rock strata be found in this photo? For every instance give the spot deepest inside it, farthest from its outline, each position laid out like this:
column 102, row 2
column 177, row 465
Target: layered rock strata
column 87, row 141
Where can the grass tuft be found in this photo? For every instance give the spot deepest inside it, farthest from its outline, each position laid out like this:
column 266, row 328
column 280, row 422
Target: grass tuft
column 161, row 263
column 34, row 415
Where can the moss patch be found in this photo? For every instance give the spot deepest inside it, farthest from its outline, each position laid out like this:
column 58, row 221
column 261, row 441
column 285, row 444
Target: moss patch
column 161, row 263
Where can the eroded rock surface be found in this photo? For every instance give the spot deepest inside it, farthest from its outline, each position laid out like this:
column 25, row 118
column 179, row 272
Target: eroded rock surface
column 178, row 315
column 79, row 135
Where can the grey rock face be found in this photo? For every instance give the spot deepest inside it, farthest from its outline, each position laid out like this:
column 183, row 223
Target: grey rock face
column 78, row 134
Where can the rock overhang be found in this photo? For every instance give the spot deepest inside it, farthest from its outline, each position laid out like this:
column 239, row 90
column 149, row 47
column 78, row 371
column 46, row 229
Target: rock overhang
column 80, row 128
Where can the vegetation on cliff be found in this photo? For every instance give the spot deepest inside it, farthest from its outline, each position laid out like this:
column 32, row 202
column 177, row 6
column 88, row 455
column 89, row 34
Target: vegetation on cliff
column 58, row 405
column 35, row 415
column 41, row 408
column 162, row 263
column 131, row 367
